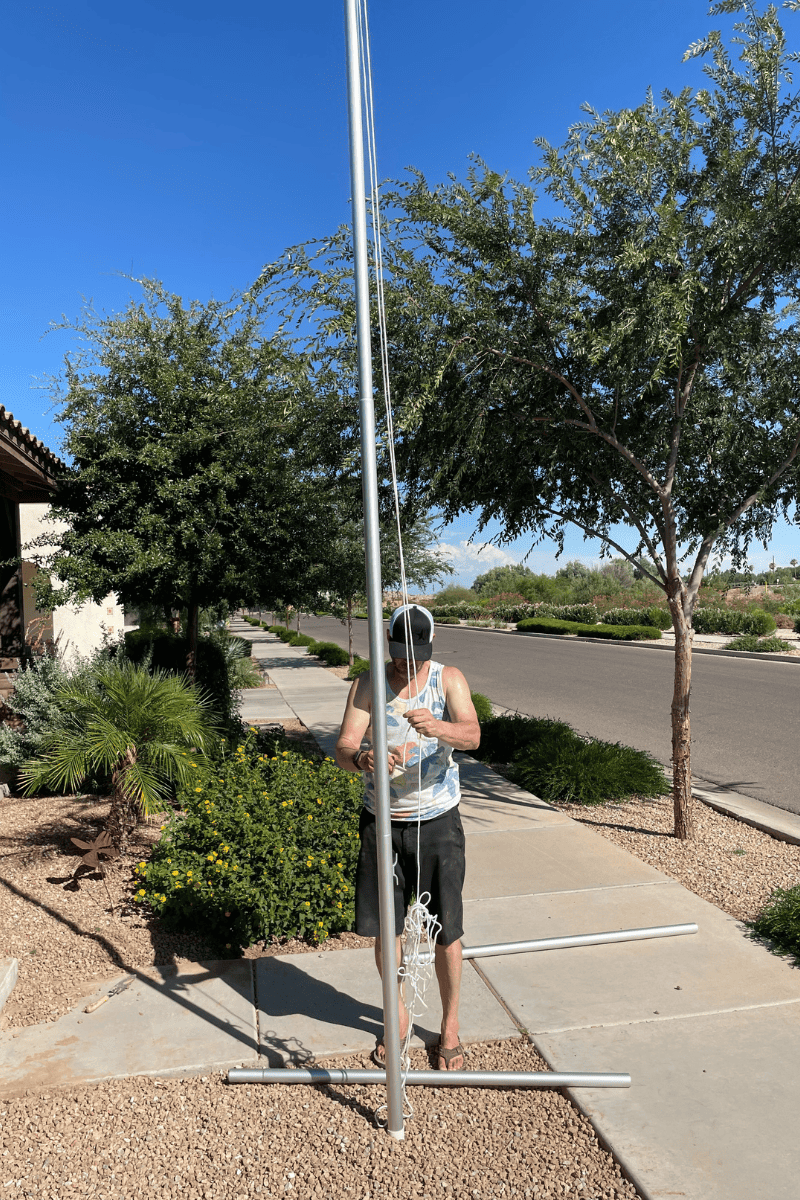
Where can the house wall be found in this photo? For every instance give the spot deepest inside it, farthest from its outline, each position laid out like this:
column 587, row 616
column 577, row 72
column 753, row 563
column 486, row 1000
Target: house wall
column 77, row 630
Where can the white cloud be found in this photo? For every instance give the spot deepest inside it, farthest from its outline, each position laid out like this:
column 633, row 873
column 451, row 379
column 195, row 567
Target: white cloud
column 477, row 557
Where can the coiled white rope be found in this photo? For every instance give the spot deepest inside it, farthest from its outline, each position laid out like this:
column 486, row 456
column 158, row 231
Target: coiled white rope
column 421, row 927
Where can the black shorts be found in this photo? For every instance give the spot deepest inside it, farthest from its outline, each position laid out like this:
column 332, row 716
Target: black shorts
column 442, row 868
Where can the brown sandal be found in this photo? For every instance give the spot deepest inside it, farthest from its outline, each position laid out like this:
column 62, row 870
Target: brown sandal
column 449, row 1055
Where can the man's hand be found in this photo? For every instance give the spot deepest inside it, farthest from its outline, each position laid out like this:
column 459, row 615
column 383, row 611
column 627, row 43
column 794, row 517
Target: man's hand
column 367, row 761
column 423, row 721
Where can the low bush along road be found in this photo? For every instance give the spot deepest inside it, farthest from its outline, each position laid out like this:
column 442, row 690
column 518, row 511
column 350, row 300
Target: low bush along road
column 742, row 709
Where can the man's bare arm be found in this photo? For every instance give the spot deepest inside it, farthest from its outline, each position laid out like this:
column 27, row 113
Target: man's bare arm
column 354, row 725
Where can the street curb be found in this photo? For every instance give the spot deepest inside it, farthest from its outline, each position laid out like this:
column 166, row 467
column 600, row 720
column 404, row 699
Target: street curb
column 8, row 978
column 655, row 645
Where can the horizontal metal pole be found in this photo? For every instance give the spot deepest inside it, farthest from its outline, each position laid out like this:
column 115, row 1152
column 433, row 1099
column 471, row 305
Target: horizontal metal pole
column 511, row 1079
column 571, row 940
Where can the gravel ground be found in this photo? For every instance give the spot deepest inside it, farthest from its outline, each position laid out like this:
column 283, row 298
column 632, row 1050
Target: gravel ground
column 68, row 940
column 204, row 1138
column 731, row 864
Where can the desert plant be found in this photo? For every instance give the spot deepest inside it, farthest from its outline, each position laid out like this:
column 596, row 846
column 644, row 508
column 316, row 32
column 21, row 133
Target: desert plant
column 561, row 766
column 330, row 653
column 545, row 625
column 483, row 706
column 749, row 641
column 34, row 700
column 140, row 727
column 360, row 665
column 779, row 920
column 619, row 633
column 267, row 847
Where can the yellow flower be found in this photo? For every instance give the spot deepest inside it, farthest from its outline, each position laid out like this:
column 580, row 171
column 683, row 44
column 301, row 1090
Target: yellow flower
column 176, row 872
column 198, row 789
column 210, row 857
column 169, row 860
column 283, row 802
column 308, row 904
column 339, row 905
column 338, row 864
column 141, row 892
column 142, row 864
column 235, row 867
column 310, row 817
column 163, row 899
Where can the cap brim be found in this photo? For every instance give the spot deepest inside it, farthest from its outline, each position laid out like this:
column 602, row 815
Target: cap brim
column 420, row 653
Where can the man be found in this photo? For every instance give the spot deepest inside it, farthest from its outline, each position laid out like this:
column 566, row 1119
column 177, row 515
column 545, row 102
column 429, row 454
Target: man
column 429, row 713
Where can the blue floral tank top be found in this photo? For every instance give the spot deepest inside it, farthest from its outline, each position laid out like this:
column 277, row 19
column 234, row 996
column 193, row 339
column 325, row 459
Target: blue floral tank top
column 426, row 783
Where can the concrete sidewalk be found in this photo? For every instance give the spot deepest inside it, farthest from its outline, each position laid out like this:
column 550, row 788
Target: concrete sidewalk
column 706, row 1025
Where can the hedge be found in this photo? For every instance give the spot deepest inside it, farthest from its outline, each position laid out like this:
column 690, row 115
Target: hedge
column 483, row 706
column 659, row 618
column 730, row 620
column 616, row 633
column 543, row 625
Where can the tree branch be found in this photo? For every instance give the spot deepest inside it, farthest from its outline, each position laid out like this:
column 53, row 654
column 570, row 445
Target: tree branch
column 605, row 538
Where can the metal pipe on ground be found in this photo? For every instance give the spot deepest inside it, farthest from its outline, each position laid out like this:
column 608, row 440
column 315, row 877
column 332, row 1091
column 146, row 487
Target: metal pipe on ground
column 509, row 1079
column 573, row 940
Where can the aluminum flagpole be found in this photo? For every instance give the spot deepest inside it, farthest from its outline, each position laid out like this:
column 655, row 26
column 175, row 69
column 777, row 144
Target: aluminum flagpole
column 377, row 646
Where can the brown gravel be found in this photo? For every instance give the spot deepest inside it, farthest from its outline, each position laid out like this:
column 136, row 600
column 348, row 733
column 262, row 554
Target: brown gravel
column 204, row 1138
column 67, row 940
column 730, row 864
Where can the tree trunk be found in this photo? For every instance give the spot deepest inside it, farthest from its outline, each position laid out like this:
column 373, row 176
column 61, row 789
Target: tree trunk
column 350, row 628
column 298, row 621
column 191, row 637
column 681, row 732
column 124, row 815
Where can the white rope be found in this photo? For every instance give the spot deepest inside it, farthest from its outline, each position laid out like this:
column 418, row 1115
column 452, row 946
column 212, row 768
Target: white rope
column 421, row 926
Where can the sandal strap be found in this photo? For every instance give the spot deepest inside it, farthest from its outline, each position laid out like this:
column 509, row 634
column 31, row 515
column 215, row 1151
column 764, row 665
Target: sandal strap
column 449, row 1055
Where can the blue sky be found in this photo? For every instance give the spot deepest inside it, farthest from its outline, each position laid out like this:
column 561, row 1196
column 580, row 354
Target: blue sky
column 195, row 141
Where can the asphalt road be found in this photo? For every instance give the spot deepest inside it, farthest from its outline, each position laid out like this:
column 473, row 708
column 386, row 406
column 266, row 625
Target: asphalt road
column 743, row 710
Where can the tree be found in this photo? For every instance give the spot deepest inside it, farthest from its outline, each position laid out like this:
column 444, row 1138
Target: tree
column 186, row 487
column 342, row 574
column 633, row 358
column 507, row 578
column 124, row 721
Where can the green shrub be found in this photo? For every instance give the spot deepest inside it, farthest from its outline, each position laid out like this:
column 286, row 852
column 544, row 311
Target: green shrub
column 758, row 621
column 301, row 639
column 447, row 621
column 332, row 654
column 502, row 737
column 35, row 700
column 267, row 848
column 659, row 618
column 731, row 620
column 360, row 665
column 620, row 633
column 749, row 642
column 544, row 625
column 168, row 651
column 568, row 769
column 779, row 920
column 276, row 629
column 556, row 764
column 483, row 706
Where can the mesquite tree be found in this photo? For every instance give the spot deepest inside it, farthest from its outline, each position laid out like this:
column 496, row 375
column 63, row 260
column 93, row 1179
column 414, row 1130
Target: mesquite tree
column 633, row 358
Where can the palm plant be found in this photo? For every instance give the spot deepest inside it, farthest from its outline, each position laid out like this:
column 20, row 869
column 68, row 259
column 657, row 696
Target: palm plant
column 124, row 722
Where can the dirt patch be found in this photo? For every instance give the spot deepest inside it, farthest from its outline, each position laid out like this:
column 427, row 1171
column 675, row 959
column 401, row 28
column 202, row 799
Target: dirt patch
column 203, row 1138
column 339, row 672
column 729, row 863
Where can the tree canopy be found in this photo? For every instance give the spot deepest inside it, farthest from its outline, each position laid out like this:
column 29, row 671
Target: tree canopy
column 626, row 358
column 187, row 485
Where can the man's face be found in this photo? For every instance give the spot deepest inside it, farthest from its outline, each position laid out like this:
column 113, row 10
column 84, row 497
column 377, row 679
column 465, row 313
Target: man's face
column 403, row 667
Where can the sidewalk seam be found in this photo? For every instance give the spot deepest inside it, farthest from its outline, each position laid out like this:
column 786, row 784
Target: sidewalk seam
column 711, row 1012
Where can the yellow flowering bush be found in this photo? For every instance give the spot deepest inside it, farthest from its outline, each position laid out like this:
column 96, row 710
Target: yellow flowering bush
column 246, row 862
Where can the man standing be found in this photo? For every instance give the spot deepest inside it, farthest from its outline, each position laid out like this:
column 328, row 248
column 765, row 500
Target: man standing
column 429, row 713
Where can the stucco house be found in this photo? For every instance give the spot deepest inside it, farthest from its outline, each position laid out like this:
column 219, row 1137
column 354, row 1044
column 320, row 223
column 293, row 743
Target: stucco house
column 28, row 472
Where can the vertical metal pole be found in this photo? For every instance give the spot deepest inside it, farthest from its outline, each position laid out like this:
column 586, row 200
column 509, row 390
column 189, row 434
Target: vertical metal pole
column 377, row 648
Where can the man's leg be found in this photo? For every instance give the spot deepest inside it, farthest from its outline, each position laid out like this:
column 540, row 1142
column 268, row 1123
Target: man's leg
column 403, row 1011
column 448, row 963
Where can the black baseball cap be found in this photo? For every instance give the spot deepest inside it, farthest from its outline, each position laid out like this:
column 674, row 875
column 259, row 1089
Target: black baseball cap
column 411, row 623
